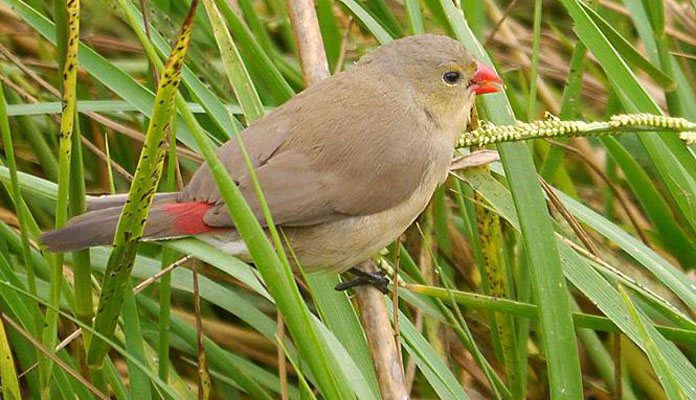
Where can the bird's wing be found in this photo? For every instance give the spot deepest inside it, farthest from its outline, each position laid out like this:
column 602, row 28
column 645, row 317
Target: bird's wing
column 291, row 188
column 313, row 168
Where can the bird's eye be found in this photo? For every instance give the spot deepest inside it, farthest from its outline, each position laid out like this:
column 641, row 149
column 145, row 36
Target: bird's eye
column 451, row 77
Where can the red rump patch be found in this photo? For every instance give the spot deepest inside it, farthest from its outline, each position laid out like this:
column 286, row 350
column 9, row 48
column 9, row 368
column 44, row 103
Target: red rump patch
column 188, row 217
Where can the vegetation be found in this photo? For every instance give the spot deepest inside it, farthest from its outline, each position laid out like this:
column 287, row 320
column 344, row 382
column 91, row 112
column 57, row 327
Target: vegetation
column 566, row 270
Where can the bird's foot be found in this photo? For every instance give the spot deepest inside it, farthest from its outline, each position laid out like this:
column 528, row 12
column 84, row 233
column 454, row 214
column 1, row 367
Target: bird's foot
column 376, row 279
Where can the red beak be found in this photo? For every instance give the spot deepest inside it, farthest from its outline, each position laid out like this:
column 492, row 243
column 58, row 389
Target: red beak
column 485, row 80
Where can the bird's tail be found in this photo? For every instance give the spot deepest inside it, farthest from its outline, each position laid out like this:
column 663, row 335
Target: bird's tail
column 167, row 219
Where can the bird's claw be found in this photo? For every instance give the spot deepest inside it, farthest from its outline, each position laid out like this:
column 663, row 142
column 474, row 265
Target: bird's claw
column 376, row 279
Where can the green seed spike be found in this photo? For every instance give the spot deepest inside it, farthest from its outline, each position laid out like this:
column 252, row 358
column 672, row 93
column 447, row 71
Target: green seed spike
column 552, row 127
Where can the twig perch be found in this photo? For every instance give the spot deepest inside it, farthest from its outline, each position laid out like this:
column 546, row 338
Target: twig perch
column 310, row 45
column 375, row 321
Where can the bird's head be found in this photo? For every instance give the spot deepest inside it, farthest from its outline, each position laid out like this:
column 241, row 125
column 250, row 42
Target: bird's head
column 438, row 74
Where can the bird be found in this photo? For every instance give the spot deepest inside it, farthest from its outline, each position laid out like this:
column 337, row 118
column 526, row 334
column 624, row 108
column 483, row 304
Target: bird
column 345, row 166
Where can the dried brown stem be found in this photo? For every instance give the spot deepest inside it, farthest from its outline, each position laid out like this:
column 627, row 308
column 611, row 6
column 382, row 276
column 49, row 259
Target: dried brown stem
column 310, row 45
column 378, row 330
column 495, row 29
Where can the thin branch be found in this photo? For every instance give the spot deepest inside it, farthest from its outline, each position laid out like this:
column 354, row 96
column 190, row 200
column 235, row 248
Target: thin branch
column 378, row 330
column 310, row 45
column 149, row 281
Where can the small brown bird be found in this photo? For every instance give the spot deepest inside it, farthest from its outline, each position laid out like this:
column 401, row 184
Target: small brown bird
column 345, row 166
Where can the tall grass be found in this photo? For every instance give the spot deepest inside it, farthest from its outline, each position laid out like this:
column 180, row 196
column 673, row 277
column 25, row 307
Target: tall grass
column 509, row 288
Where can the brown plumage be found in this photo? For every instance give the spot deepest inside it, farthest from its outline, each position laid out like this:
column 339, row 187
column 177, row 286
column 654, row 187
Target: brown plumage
column 345, row 166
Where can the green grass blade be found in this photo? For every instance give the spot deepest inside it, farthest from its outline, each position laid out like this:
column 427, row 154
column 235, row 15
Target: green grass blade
column 33, row 133
column 154, row 44
column 602, row 360
column 377, row 30
column 256, row 25
column 496, row 277
column 438, row 310
column 165, row 285
column 340, row 317
column 385, row 17
column 521, row 309
column 147, row 175
column 569, row 109
column 429, row 362
column 111, row 106
column 119, row 390
column 666, row 273
column 82, row 283
column 674, row 162
column 71, row 9
column 138, row 381
column 107, row 340
column 347, row 331
column 15, row 305
column 671, row 235
column 590, row 282
column 256, row 58
column 628, row 52
column 217, row 357
column 23, row 213
column 542, row 255
column 8, row 373
column 664, row 374
column 236, row 71
column 330, row 32
column 32, row 185
column 355, row 377
column 415, row 16
column 107, row 73
column 533, row 74
column 682, row 100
